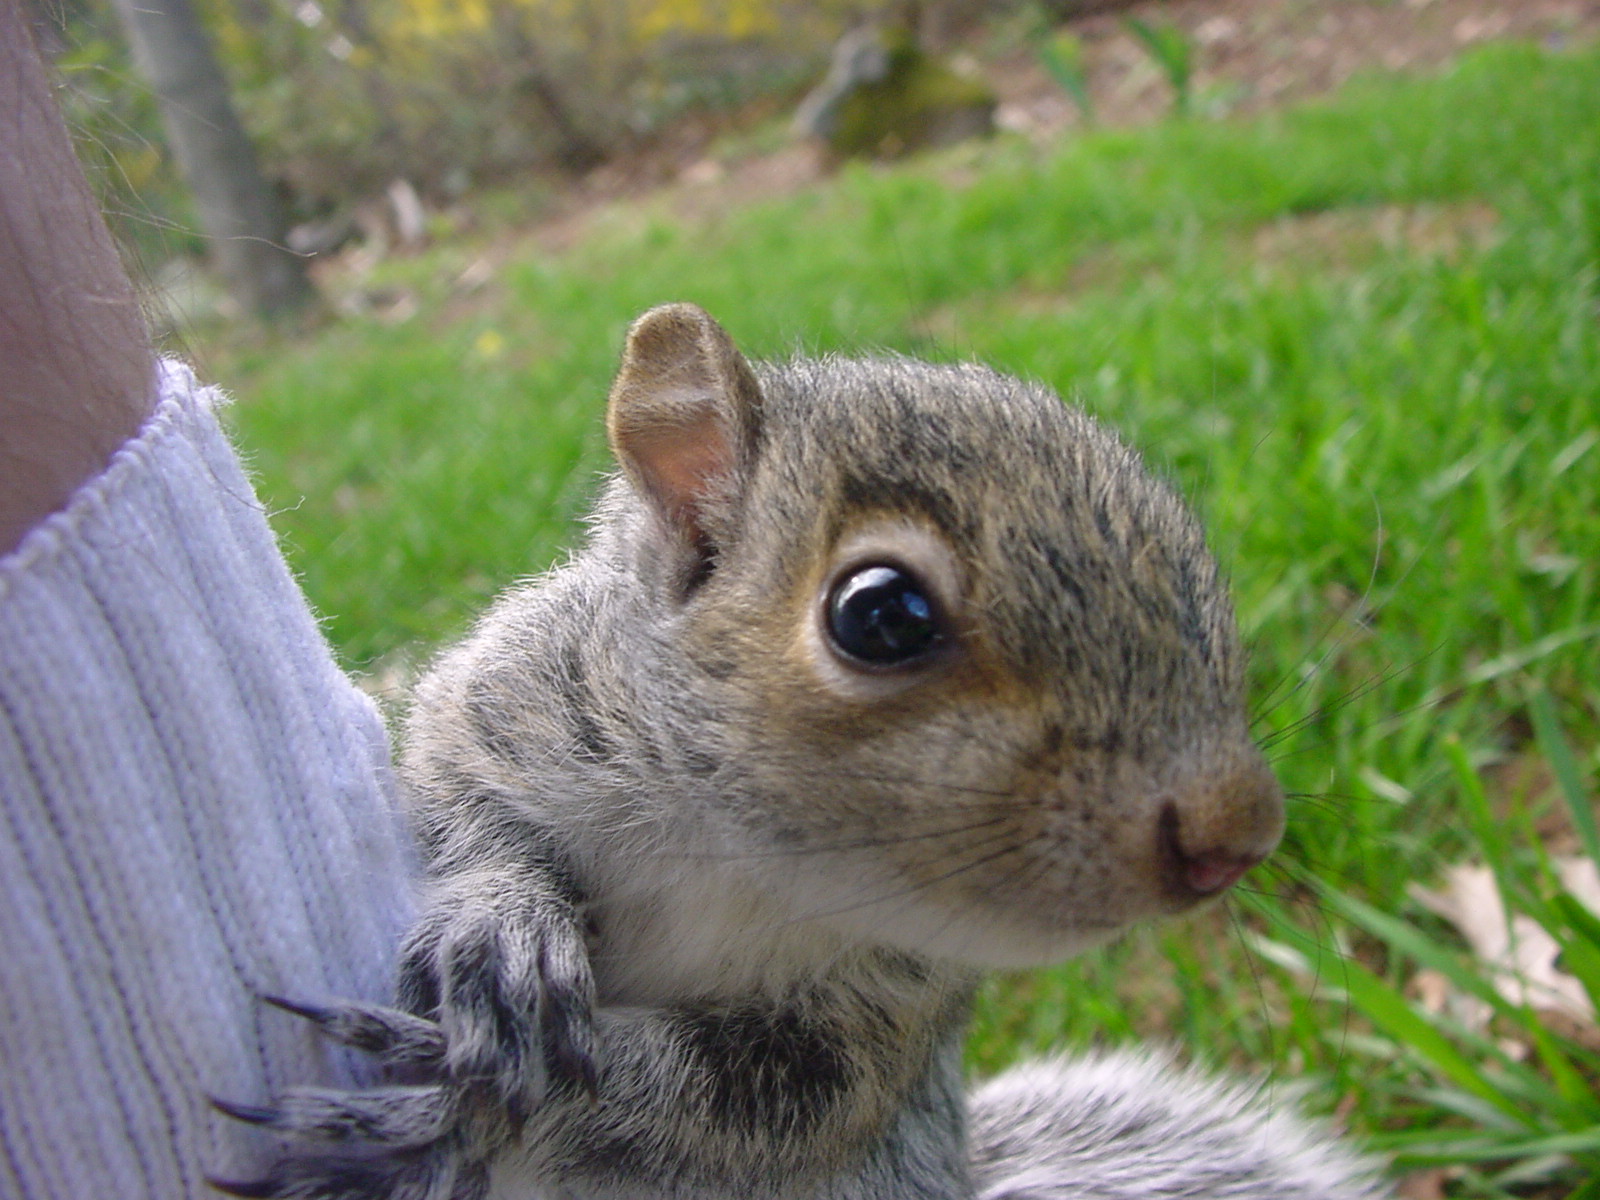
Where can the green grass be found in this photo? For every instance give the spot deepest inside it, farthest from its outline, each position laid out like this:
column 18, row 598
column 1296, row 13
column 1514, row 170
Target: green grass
column 1363, row 334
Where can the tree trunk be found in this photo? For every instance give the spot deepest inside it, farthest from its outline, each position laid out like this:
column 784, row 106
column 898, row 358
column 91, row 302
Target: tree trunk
column 238, row 211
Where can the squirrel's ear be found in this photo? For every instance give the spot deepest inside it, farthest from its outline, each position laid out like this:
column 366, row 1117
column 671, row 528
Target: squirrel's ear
column 683, row 418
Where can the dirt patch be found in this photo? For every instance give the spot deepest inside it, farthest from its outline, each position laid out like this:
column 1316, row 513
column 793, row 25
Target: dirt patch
column 699, row 188
column 1348, row 237
column 1344, row 239
column 1252, row 55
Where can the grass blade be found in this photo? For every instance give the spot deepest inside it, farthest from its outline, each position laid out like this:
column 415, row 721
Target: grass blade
column 1554, row 745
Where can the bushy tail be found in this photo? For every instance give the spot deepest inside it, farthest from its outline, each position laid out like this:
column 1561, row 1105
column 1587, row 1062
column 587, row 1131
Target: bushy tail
column 1134, row 1126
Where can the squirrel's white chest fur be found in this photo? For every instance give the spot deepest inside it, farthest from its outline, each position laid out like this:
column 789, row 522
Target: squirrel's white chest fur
column 698, row 929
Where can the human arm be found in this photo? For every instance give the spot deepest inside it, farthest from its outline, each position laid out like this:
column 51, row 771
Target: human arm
column 78, row 374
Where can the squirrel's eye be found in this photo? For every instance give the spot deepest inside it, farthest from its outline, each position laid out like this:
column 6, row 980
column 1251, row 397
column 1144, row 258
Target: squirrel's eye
column 883, row 615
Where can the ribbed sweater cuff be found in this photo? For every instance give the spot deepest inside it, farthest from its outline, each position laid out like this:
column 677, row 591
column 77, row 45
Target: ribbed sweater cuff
column 197, row 808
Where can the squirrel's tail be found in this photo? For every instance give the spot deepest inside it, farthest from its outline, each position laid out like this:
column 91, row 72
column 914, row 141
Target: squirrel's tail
column 1130, row 1126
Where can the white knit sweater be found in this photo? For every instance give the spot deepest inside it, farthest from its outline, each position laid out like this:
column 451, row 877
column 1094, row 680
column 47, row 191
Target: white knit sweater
column 197, row 808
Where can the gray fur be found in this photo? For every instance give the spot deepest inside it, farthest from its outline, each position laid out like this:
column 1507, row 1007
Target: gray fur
column 707, row 896
column 1133, row 1125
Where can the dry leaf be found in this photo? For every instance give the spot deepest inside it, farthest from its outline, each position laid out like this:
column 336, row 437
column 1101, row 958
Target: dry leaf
column 1520, row 955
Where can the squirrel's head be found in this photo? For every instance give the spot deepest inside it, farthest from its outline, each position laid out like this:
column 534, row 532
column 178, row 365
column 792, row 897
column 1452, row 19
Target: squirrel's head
column 975, row 677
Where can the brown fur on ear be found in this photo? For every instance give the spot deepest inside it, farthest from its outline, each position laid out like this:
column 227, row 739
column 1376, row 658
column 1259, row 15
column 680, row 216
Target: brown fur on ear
column 683, row 417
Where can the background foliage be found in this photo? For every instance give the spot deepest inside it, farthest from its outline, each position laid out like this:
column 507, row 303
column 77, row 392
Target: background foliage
column 344, row 96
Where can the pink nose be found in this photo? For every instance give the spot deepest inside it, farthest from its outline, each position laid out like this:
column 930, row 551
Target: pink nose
column 1208, row 874
column 1197, row 872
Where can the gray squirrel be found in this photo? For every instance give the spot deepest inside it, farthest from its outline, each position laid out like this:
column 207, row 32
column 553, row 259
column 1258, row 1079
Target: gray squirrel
column 870, row 675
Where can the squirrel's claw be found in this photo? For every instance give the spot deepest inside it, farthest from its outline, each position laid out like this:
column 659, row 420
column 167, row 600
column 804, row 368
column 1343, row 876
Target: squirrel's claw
column 439, row 1172
column 310, row 1012
column 250, row 1114
column 250, row 1189
column 387, row 1118
column 393, row 1037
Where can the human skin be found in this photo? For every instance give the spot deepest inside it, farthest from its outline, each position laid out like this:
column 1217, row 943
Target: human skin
column 76, row 366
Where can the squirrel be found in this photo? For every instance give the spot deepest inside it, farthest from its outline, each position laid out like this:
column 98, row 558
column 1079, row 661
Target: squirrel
column 870, row 675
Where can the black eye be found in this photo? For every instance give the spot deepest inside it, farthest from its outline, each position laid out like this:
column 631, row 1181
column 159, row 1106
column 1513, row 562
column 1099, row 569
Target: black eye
column 883, row 615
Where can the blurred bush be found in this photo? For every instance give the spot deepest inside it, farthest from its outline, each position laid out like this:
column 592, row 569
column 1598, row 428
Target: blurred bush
column 344, row 96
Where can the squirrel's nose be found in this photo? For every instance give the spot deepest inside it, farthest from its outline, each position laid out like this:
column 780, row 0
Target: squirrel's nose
column 1195, row 873
column 1206, row 846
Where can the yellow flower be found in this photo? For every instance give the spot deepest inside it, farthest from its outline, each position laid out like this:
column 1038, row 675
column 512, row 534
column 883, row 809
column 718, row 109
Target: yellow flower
column 489, row 344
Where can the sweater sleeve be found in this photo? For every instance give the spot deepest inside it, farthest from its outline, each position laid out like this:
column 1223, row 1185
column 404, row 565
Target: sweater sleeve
column 196, row 808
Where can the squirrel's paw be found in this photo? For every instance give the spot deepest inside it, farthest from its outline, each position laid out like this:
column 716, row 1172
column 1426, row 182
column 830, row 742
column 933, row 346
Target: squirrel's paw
column 404, row 1142
column 497, row 1013
column 508, row 981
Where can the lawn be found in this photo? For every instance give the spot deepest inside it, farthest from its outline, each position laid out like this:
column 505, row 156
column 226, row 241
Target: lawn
column 1363, row 335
